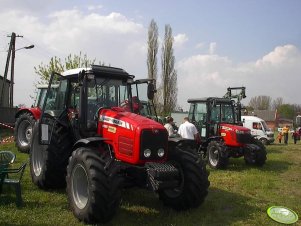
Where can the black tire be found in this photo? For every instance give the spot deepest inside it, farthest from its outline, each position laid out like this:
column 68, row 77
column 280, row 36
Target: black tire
column 216, row 159
column 48, row 163
column 93, row 194
column 264, row 141
column 257, row 157
column 23, row 131
column 194, row 184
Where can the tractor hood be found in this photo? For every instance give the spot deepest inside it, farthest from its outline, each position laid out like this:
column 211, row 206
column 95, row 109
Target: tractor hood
column 234, row 128
column 119, row 117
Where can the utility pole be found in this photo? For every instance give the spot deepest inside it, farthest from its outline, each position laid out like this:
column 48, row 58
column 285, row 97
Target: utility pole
column 11, row 52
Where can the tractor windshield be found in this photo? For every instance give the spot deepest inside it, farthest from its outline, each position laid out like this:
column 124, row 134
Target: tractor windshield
column 222, row 113
column 106, row 92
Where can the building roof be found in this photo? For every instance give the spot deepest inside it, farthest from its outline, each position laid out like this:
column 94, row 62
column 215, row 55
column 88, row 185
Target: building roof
column 266, row 115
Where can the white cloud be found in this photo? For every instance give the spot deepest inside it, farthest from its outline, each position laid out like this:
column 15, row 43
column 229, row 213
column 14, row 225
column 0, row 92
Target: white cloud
column 200, row 45
column 277, row 74
column 94, row 7
column 212, row 48
column 121, row 42
column 113, row 39
column 180, row 40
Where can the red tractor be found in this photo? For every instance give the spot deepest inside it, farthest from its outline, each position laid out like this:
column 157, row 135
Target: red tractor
column 221, row 136
column 26, row 118
column 86, row 140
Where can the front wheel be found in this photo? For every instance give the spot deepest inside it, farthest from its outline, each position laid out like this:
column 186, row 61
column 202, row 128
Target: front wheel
column 193, row 185
column 93, row 195
column 216, row 157
column 264, row 141
column 255, row 153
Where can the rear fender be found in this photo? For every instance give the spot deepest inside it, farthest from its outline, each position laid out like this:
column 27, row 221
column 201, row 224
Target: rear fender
column 178, row 141
column 36, row 112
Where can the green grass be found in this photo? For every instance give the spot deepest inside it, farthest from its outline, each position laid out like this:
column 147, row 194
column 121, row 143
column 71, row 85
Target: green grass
column 239, row 195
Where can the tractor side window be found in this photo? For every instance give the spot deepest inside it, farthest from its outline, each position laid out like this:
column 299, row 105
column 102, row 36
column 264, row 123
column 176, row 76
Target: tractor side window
column 74, row 102
column 215, row 113
column 42, row 96
column 200, row 113
column 38, row 97
column 61, row 96
column 198, row 116
column 50, row 100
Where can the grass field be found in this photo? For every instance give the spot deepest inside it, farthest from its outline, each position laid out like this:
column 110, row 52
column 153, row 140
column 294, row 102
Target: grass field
column 239, row 195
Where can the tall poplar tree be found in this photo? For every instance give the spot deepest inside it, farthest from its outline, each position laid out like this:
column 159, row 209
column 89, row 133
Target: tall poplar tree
column 169, row 74
column 152, row 52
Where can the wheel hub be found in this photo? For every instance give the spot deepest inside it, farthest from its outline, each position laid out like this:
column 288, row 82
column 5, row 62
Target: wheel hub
column 213, row 156
column 24, row 133
column 79, row 188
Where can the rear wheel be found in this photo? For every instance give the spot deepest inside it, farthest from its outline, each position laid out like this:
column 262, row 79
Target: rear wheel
column 92, row 192
column 23, row 131
column 216, row 159
column 48, row 163
column 193, row 186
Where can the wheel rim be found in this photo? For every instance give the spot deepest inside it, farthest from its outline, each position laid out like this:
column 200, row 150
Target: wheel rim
column 264, row 141
column 80, row 184
column 175, row 192
column 37, row 156
column 24, row 133
column 213, row 156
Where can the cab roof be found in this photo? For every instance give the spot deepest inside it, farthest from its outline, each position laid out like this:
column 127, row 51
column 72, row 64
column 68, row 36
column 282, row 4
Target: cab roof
column 102, row 71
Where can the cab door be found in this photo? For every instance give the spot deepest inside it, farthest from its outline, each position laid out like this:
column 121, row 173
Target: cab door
column 53, row 107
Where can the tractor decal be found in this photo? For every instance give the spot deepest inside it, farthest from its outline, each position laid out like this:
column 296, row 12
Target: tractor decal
column 117, row 122
column 227, row 128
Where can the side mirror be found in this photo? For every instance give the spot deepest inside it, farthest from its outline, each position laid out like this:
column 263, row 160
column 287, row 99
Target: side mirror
column 151, row 91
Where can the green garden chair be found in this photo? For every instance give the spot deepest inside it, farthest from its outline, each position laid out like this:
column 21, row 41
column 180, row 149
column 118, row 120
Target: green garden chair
column 6, row 159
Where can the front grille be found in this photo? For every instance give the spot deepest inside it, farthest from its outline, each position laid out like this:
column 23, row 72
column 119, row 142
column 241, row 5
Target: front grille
column 126, row 145
column 153, row 139
column 244, row 138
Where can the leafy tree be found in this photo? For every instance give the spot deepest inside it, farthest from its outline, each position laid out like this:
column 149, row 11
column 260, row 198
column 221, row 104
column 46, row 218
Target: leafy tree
column 152, row 54
column 152, row 50
column 57, row 65
column 260, row 102
column 277, row 103
column 286, row 111
column 169, row 74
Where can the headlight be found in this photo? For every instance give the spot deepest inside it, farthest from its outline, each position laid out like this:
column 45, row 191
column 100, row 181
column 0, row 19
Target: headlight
column 147, row 153
column 161, row 152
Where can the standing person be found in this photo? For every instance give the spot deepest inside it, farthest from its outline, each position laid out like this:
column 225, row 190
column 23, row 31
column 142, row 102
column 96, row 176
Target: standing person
column 285, row 130
column 169, row 126
column 188, row 131
column 279, row 137
column 295, row 136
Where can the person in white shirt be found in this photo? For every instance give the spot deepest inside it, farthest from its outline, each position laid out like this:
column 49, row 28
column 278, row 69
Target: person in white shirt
column 188, row 131
column 168, row 126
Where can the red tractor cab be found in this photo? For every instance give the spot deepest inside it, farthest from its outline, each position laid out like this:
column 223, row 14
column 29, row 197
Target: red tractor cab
column 221, row 136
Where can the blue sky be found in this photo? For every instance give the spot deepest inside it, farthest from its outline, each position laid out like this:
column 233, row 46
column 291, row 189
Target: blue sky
column 217, row 43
